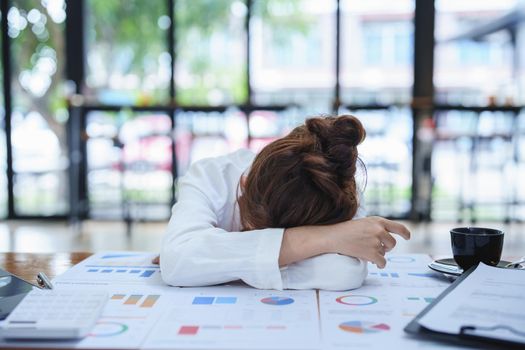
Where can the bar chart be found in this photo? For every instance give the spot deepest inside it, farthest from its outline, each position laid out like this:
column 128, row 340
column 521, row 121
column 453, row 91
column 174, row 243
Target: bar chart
column 148, row 301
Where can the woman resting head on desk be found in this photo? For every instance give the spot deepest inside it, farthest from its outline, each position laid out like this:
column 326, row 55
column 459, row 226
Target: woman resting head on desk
column 289, row 217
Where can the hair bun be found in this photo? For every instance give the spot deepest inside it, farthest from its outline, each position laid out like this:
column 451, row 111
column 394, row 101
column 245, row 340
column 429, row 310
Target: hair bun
column 337, row 138
column 346, row 130
column 349, row 129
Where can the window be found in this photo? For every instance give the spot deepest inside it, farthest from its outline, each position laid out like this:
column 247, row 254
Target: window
column 129, row 164
column 202, row 134
column 473, row 66
column 377, row 72
column 376, row 52
column 39, row 107
column 387, row 155
column 289, row 38
column 475, row 166
column 3, row 144
column 128, row 62
column 211, row 52
column 372, row 46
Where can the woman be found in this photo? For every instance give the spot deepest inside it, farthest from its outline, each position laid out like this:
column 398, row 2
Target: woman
column 289, row 217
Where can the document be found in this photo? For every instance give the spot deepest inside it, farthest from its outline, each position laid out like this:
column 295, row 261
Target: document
column 109, row 268
column 128, row 316
column 373, row 316
column 238, row 317
column 490, row 299
column 144, row 313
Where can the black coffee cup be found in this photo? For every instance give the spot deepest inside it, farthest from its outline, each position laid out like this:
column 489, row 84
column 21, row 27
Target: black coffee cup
column 472, row 245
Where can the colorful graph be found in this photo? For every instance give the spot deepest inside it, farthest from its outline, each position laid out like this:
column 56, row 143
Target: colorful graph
column 385, row 274
column 108, row 329
column 134, row 299
column 138, row 272
column 401, row 259
column 188, row 330
column 363, row 327
column 425, row 299
column 117, row 256
column 214, row 300
column 194, row 330
column 425, row 274
column 277, row 301
column 356, row 300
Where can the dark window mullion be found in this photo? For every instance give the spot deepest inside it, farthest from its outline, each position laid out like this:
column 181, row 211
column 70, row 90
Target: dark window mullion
column 422, row 107
column 249, row 100
column 6, row 60
column 337, row 92
column 171, row 41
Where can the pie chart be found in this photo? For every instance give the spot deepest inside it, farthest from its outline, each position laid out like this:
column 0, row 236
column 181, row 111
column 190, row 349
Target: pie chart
column 363, row 327
column 356, row 300
column 108, row 329
column 277, row 300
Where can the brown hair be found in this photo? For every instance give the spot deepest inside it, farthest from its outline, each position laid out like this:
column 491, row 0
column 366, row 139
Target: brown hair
column 306, row 177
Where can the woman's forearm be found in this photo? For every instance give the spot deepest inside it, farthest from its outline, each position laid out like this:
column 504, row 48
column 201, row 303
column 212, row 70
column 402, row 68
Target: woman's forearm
column 367, row 238
column 301, row 243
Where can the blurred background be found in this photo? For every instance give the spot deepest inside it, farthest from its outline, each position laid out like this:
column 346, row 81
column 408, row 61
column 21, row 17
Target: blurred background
column 105, row 103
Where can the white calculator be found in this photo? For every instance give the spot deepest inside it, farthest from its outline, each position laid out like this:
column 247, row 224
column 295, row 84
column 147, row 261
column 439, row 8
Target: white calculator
column 53, row 314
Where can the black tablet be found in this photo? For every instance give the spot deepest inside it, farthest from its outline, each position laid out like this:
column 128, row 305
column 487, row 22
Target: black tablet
column 12, row 290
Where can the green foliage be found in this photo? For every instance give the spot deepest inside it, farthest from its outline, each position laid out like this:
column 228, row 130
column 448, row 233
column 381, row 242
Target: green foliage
column 130, row 24
column 206, row 15
column 130, row 31
column 199, row 20
column 286, row 17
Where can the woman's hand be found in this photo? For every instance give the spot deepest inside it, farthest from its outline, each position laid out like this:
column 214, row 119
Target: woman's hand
column 368, row 238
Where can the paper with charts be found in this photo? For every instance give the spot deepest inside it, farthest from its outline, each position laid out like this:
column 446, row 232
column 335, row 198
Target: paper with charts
column 373, row 316
column 238, row 318
column 145, row 313
column 109, row 268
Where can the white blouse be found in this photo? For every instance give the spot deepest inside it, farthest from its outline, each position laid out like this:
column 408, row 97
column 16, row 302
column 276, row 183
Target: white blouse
column 203, row 244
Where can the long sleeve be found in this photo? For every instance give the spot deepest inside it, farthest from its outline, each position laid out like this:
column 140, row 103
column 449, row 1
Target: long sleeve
column 203, row 245
column 326, row 271
column 196, row 252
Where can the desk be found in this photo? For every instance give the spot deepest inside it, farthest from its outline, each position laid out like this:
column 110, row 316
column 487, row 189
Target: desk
column 28, row 265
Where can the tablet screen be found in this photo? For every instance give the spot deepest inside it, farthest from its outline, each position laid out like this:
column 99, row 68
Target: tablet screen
column 12, row 291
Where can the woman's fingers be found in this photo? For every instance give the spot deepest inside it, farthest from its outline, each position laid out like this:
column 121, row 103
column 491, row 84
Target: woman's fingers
column 379, row 260
column 396, row 227
column 367, row 238
column 388, row 241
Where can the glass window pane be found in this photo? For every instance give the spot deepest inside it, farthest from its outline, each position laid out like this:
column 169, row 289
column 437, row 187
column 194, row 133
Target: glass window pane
column 127, row 56
column 519, row 168
column 377, row 51
column 129, row 165
column 208, row 134
column 482, row 151
column 3, row 148
column 39, row 107
column 267, row 126
column 211, row 52
column 389, row 174
column 293, row 52
column 474, row 63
